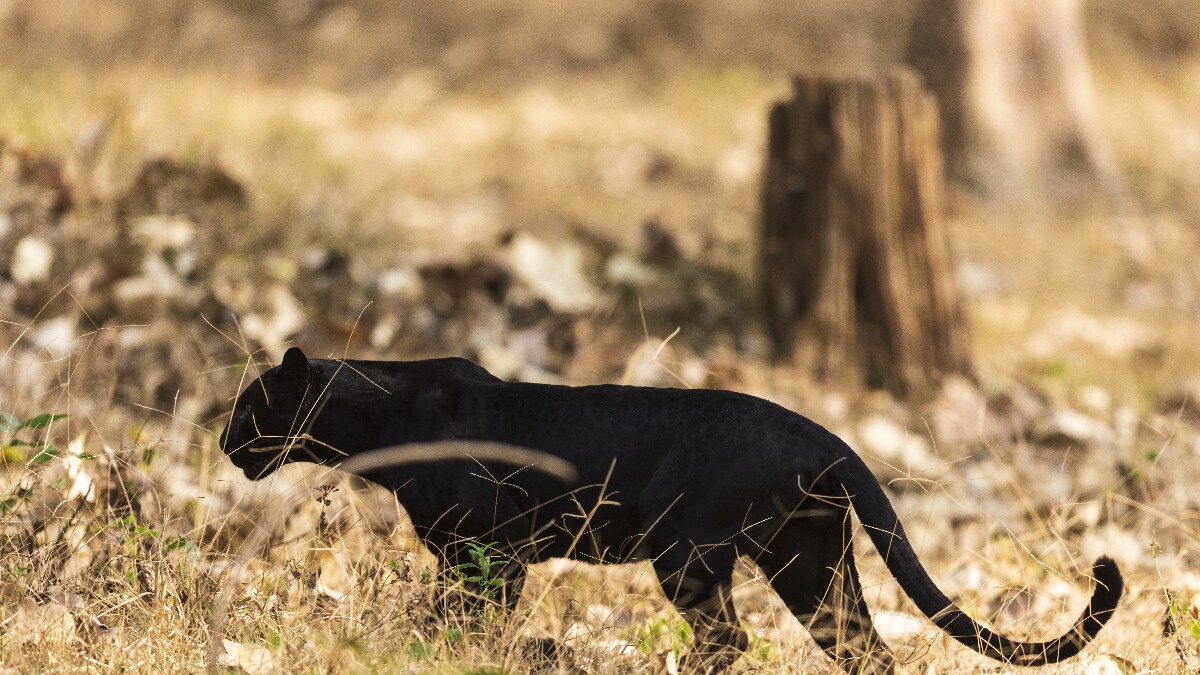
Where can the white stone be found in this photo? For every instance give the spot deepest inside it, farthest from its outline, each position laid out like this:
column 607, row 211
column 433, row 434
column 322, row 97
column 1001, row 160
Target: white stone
column 898, row 626
column 1097, row 399
column 1105, row 664
column 55, row 337
column 892, row 443
column 384, row 332
column 623, row 268
column 555, row 273
column 1073, row 427
column 400, row 282
column 282, row 320
column 164, row 233
column 31, row 261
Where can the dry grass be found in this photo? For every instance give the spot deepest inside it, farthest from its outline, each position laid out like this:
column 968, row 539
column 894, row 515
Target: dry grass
column 116, row 549
column 390, row 131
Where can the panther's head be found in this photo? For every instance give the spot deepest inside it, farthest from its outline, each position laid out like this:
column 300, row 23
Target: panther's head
column 271, row 417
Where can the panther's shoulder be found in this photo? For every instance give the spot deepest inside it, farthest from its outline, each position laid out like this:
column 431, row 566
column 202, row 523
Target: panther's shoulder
column 464, row 369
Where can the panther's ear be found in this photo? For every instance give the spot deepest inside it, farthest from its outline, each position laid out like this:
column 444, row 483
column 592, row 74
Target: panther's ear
column 294, row 370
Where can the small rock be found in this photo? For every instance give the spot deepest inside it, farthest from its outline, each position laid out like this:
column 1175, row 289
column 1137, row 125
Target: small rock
column 895, row 627
column 1089, row 513
column 449, row 287
column 624, row 270
column 164, row 186
column 500, row 361
column 54, row 336
column 1097, row 399
column 144, row 297
column 164, row 233
column 658, row 244
column 399, row 282
column 281, row 320
column 555, row 273
column 1066, row 427
column 384, row 332
column 835, row 407
column 1106, row 664
column 31, row 261
column 967, row 415
column 892, row 443
column 961, row 416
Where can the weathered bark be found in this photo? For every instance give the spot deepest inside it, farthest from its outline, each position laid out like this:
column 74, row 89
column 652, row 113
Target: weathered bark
column 1015, row 91
column 856, row 269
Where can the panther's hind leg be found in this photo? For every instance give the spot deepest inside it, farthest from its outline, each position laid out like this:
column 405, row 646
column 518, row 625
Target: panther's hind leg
column 810, row 563
column 698, row 583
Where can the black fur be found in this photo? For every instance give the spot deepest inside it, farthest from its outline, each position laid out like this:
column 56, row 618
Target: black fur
column 688, row 479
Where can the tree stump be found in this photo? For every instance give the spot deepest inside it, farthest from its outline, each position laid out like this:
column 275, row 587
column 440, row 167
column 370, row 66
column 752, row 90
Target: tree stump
column 1015, row 91
column 856, row 269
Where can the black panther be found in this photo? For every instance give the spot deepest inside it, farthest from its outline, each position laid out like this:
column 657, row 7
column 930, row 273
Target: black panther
column 688, row 479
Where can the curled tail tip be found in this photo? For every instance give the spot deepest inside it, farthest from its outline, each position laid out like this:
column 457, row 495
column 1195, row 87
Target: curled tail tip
column 1106, row 594
column 1107, row 575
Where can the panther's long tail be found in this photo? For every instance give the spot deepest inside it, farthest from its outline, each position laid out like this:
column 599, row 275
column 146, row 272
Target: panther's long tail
column 877, row 516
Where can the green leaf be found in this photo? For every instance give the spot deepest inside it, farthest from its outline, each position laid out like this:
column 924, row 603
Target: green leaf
column 11, row 454
column 8, row 422
column 420, row 650
column 41, row 421
column 7, row 504
column 1195, row 630
column 173, row 543
column 48, row 453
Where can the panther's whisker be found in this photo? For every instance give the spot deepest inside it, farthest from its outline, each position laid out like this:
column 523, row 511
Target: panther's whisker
column 268, row 448
column 311, row 438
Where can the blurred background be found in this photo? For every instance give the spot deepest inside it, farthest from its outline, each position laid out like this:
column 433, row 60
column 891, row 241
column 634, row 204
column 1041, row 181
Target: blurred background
column 555, row 188
column 380, row 135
